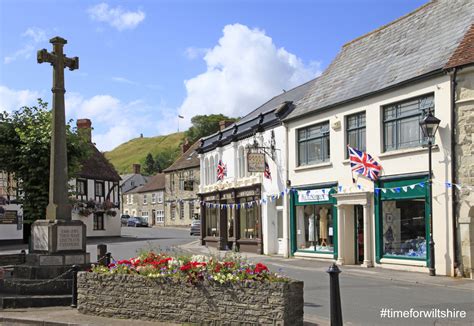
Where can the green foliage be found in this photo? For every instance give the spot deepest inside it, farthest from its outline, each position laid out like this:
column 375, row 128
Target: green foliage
column 166, row 157
column 25, row 137
column 205, row 125
column 150, row 167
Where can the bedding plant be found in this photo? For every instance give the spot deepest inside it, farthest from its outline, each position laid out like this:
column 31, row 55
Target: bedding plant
column 192, row 269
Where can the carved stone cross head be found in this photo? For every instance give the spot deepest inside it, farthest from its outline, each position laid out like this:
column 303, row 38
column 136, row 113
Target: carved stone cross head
column 57, row 58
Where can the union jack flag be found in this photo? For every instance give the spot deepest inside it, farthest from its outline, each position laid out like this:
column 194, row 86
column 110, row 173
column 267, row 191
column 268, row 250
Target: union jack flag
column 363, row 163
column 221, row 171
column 266, row 173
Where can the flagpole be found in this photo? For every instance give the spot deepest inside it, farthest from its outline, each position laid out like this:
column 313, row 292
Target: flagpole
column 352, row 172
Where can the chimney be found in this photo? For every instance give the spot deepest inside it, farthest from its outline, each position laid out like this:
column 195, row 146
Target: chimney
column 185, row 146
column 224, row 124
column 84, row 128
column 136, row 168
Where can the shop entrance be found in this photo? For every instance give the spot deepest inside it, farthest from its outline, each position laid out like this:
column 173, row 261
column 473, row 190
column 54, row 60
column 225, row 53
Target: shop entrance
column 359, row 233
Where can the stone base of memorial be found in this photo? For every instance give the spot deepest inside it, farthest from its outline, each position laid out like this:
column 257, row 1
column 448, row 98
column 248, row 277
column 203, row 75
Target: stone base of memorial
column 57, row 243
column 208, row 302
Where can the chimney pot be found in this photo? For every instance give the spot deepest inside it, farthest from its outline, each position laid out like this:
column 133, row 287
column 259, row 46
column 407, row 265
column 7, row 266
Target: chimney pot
column 224, row 124
column 185, row 146
column 136, row 168
column 84, row 127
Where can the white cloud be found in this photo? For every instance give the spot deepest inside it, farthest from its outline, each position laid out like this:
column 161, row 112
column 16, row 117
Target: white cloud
column 244, row 70
column 116, row 17
column 33, row 36
column 192, row 52
column 12, row 100
column 124, row 80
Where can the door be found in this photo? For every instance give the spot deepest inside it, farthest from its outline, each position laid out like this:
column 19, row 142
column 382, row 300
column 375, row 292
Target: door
column 359, row 233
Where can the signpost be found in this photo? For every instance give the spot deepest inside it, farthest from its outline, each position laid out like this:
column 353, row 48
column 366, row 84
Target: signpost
column 255, row 162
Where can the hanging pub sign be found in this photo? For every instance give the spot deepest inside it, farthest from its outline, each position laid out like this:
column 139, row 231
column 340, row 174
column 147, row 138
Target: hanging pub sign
column 255, row 162
column 305, row 196
column 188, row 185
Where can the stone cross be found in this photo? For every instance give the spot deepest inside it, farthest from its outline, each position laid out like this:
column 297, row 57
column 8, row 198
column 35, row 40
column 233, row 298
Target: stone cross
column 58, row 207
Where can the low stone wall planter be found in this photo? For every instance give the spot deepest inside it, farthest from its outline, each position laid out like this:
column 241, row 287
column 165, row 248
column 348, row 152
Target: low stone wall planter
column 138, row 297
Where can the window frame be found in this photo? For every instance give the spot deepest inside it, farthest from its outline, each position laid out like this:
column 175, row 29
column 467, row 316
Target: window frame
column 98, row 221
column 84, row 183
column 97, row 183
column 326, row 152
column 358, row 129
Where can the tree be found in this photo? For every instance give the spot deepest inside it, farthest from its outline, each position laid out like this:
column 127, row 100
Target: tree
column 25, row 137
column 149, row 165
column 205, row 125
column 166, row 157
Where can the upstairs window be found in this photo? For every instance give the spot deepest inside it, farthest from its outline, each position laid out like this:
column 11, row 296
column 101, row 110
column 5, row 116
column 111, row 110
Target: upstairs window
column 99, row 189
column 145, row 199
column 81, row 187
column 355, row 131
column 153, row 198
column 401, row 122
column 313, row 144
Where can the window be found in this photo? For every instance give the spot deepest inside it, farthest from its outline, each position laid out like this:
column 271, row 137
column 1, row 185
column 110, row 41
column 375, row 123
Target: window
column 249, row 219
column 191, row 210
column 315, row 228
column 206, row 171
column 160, row 197
column 99, row 221
column 153, row 198
column 241, row 162
column 173, row 211
column 99, row 189
column 144, row 199
column 355, row 131
column 313, row 144
column 181, row 210
column 401, row 122
column 160, row 216
column 81, row 187
column 212, row 221
column 212, row 171
column 181, row 180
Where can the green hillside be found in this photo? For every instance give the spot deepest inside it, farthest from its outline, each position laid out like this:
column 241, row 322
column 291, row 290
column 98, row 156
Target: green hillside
column 136, row 150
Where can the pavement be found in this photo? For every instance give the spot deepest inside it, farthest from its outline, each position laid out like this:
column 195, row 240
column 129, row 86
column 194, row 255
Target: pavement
column 363, row 291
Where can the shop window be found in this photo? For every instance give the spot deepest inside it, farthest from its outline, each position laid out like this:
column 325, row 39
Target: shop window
column 313, row 144
column 401, row 122
column 314, row 230
column 230, row 220
column 99, row 221
column 355, row 131
column 212, row 221
column 404, row 228
column 249, row 219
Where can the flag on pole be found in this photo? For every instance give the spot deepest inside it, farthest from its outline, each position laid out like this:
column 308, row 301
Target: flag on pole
column 363, row 163
column 221, row 171
column 266, row 173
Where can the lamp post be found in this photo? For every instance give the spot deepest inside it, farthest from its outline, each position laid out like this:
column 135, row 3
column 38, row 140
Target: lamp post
column 429, row 126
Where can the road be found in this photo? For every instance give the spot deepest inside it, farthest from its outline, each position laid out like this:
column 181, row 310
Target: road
column 364, row 292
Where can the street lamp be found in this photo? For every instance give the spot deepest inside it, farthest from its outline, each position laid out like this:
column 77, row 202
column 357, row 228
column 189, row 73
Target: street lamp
column 429, row 126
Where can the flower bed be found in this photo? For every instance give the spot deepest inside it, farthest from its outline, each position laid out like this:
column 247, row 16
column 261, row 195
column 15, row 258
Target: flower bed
column 194, row 289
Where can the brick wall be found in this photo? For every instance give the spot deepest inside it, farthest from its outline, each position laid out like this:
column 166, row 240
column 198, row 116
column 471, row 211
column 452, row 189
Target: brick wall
column 137, row 297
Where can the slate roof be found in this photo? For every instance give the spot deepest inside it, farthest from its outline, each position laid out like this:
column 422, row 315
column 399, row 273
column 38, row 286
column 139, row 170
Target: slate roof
column 133, row 190
column 464, row 53
column 265, row 116
column 414, row 46
column 156, row 182
column 188, row 160
column 97, row 167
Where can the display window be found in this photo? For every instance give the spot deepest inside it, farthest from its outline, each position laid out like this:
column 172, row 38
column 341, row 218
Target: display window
column 315, row 230
column 249, row 219
column 212, row 221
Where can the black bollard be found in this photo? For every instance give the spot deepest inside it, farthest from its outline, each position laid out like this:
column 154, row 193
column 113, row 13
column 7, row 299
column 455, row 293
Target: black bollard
column 101, row 251
column 23, row 255
column 108, row 258
column 75, row 269
column 335, row 296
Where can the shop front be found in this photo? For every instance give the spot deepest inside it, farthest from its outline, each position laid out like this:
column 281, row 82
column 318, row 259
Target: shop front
column 313, row 221
column 231, row 219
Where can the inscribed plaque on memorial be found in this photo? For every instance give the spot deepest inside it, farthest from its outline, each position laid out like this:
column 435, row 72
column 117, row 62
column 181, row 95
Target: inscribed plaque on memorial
column 69, row 238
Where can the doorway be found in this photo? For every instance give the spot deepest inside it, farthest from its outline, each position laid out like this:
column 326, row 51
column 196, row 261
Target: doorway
column 359, row 233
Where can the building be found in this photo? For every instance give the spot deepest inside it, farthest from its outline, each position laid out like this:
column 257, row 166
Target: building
column 182, row 185
column 245, row 210
column 97, row 191
column 130, row 182
column 151, row 198
column 372, row 97
column 460, row 66
column 11, row 213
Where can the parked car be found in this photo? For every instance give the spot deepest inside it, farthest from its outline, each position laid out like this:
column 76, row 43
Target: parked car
column 196, row 227
column 124, row 219
column 137, row 221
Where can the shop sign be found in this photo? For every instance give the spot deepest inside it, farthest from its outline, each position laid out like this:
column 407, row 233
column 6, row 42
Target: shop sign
column 305, row 196
column 188, row 185
column 246, row 193
column 228, row 195
column 214, row 197
column 8, row 217
column 255, row 162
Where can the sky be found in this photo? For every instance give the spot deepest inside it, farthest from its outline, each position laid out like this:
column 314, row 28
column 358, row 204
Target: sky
column 142, row 62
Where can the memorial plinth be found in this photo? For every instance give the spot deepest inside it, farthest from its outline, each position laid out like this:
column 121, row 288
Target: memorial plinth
column 58, row 243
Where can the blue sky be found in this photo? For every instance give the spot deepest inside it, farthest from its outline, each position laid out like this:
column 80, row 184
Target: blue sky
column 144, row 62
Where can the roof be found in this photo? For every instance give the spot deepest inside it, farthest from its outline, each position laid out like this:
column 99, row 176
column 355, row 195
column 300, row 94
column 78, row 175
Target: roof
column 156, row 182
column 140, row 178
column 266, row 115
column 464, row 53
column 414, row 46
column 98, row 167
column 188, row 160
column 133, row 190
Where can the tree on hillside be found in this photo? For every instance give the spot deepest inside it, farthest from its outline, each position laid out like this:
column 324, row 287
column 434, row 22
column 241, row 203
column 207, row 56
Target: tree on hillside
column 166, row 157
column 25, row 137
column 150, row 167
column 205, row 125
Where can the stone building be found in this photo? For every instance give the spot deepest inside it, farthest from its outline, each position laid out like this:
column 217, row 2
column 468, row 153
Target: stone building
column 130, row 182
column 11, row 213
column 151, row 199
column 461, row 69
column 132, row 202
column 182, row 180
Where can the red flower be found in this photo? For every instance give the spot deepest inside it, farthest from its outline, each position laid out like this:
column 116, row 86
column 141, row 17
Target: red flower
column 259, row 268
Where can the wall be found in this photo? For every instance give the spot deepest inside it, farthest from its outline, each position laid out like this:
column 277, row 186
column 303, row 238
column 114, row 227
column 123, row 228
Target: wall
column 112, row 225
column 464, row 151
column 136, row 297
column 413, row 160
